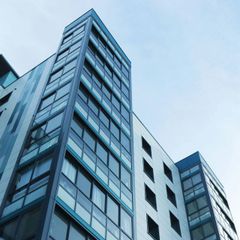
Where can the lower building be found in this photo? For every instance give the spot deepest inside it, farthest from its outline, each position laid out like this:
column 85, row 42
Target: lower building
column 208, row 212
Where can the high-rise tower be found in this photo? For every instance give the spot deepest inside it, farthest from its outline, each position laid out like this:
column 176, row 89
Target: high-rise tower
column 74, row 172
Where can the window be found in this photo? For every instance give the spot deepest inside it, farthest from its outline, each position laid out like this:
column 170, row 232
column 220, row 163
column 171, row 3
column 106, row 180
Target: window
column 125, row 113
column 190, row 182
column 116, row 80
column 150, row 197
column 63, row 91
column 113, row 210
column 146, row 146
column 171, row 196
column 54, row 123
column 106, row 92
column 104, row 119
column 114, row 165
column 203, row 231
column 58, row 227
column 89, row 140
column 56, row 75
column 24, row 177
column 62, row 55
column 148, row 169
column 114, row 130
column 74, row 233
column 77, row 125
column 5, row 99
column 175, row 223
column 196, row 205
column 125, row 71
column 125, row 141
column 116, row 103
column 69, row 170
column 126, row 177
column 93, row 106
column 70, row 65
column 98, row 198
column 126, row 222
column 42, row 167
column 47, row 101
column 84, row 184
column 29, row 224
column 102, row 153
column 167, row 171
column 152, row 228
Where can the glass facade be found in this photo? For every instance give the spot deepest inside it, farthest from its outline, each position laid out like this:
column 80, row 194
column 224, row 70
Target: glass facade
column 78, row 150
column 207, row 209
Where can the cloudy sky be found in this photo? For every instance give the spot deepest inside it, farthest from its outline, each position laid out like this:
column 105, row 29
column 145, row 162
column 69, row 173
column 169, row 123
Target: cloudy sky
column 185, row 67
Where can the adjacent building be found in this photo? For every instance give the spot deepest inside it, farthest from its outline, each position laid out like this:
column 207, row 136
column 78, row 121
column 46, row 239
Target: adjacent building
column 77, row 163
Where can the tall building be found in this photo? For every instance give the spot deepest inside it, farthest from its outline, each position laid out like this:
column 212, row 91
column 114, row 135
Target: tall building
column 77, row 163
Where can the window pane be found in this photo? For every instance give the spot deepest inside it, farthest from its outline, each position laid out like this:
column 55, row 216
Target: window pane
column 115, row 130
column 116, row 103
column 102, row 153
column 113, row 210
column 98, row 198
column 89, row 140
column 69, row 170
column 75, row 234
column 125, row 141
column 54, row 123
column 196, row 178
column 24, row 177
column 84, row 184
column 47, row 101
column 93, row 106
column 29, row 224
column 42, row 167
column 58, row 228
column 114, row 165
column 104, row 119
column 126, row 222
column 126, row 177
column 63, row 91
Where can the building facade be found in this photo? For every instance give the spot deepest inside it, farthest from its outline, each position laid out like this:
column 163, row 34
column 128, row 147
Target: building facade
column 207, row 208
column 76, row 162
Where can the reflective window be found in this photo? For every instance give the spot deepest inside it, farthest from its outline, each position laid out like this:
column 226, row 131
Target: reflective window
column 84, row 184
column 47, row 101
column 114, row 165
column 126, row 177
column 112, row 210
column 24, row 177
column 54, row 123
column 42, row 167
column 59, row 227
column 104, row 119
column 98, row 198
column 75, row 234
column 115, row 130
column 102, row 153
column 89, row 140
column 69, row 170
column 126, row 222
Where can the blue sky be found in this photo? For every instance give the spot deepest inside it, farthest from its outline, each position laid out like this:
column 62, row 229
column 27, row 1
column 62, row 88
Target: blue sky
column 185, row 68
